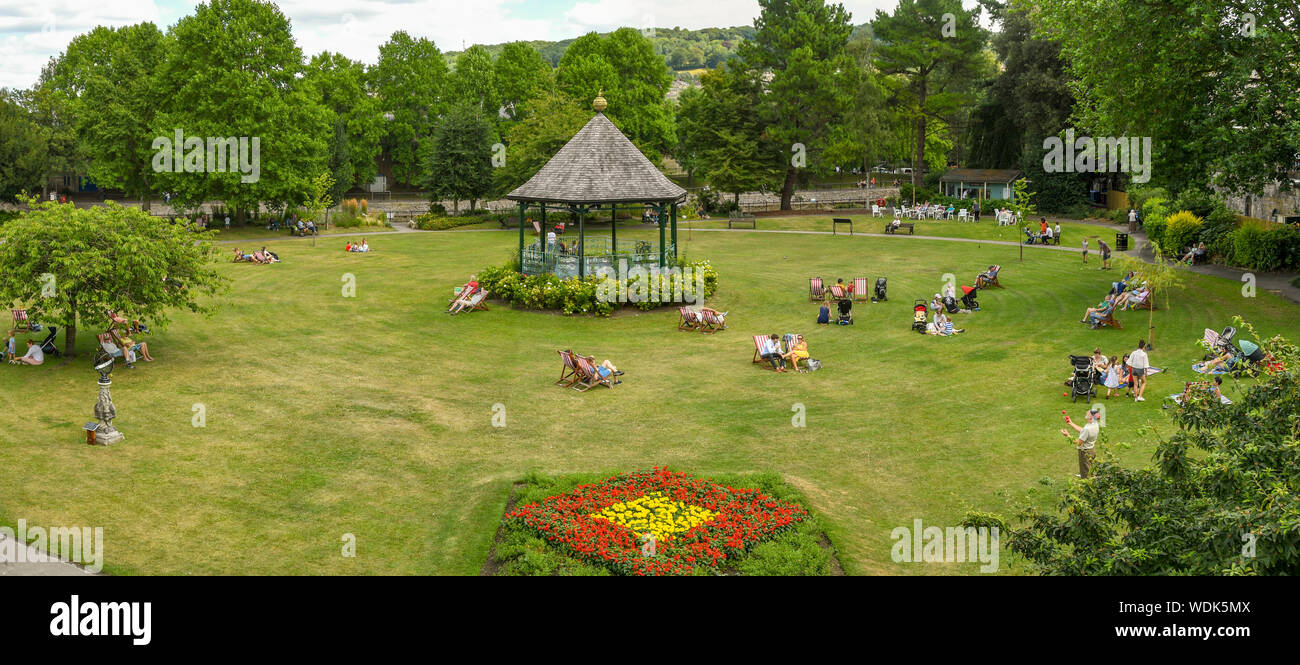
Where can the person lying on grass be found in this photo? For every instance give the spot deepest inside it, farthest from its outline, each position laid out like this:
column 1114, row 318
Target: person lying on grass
column 798, row 351
column 271, row 257
column 240, row 256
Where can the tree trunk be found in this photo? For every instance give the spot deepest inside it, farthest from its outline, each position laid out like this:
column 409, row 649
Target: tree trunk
column 787, row 190
column 919, row 160
column 70, row 331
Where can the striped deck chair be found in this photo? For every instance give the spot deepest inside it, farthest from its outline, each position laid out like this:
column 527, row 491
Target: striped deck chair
column 711, row 324
column 690, row 319
column 478, row 301
column 860, row 291
column 815, row 289
column 838, row 292
column 588, row 377
column 568, row 371
column 1147, row 303
column 1106, row 318
column 537, row 227
column 21, row 322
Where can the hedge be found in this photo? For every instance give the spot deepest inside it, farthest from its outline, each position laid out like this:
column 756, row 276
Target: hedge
column 1266, row 247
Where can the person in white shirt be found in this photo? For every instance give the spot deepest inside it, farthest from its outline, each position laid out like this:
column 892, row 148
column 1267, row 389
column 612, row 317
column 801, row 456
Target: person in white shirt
column 227, row 222
column 1087, row 440
column 1141, row 364
column 35, row 356
column 550, row 238
column 1049, row 233
column 1056, row 230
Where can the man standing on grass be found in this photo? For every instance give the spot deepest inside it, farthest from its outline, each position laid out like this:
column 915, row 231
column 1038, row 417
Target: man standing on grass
column 1139, row 362
column 1086, row 441
column 1105, row 254
column 1132, row 220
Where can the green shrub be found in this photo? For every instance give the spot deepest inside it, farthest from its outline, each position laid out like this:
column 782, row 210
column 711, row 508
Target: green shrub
column 1154, row 212
column 7, row 215
column 1217, row 230
column 1197, row 201
column 433, row 222
column 1181, row 230
column 579, row 296
column 794, row 553
column 1266, row 247
column 1138, row 196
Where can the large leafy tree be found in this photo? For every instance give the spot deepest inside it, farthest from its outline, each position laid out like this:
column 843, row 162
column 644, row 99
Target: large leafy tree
column 21, row 149
column 356, row 120
column 721, row 137
column 52, row 113
column 474, row 81
column 410, row 80
column 233, row 70
column 799, row 49
column 106, row 75
column 521, row 74
column 549, row 121
column 70, row 265
column 634, row 79
column 928, row 61
column 458, row 161
column 1213, row 82
column 1222, row 498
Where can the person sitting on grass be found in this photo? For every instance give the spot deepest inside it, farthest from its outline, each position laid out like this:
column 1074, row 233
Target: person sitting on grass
column 1250, row 353
column 1214, row 388
column 771, row 352
column 365, row 246
column 823, row 314
column 798, row 351
column 242, row 257
column 35, row 356
column 271, row 257
column 943, row 325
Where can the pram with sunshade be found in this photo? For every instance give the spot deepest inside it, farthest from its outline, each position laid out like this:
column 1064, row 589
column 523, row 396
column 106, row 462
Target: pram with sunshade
column 920, row 315
column 47, row 346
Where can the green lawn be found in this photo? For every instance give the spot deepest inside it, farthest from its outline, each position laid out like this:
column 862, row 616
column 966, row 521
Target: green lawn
column 372, row 415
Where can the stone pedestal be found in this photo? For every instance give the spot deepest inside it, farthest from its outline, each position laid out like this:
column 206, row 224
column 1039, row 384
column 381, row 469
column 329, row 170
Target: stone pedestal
column 105, row 412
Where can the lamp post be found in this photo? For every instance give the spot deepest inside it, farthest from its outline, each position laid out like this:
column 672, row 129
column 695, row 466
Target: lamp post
column 105, row 412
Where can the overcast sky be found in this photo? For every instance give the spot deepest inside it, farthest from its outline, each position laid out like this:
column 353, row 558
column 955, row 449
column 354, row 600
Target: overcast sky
column 31, row 31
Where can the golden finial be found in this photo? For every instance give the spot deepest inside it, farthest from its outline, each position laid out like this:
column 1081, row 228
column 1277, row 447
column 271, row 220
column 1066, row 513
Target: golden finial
column 600, row 104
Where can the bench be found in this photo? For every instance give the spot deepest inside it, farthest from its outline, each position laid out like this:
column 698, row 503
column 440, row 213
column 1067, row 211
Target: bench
column 911, row 228
column 835, row 225
column 734, row 219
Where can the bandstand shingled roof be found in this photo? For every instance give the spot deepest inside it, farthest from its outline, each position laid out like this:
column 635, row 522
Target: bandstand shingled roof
column 598, row 165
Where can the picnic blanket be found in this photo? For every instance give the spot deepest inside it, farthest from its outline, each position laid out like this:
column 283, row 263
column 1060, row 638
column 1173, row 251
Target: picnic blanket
column 1199, row 368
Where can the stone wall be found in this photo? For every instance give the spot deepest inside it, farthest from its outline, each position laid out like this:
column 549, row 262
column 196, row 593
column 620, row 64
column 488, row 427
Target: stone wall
column 1285, row 202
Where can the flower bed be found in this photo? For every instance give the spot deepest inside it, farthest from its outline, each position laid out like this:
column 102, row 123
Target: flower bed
column 699, row 526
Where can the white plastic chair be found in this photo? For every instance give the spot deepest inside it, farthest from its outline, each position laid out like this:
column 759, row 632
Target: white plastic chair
column 876, row 211
column 963, row 216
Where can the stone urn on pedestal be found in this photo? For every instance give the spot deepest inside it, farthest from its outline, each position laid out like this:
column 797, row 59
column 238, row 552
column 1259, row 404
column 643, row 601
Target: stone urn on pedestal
column 105, row 412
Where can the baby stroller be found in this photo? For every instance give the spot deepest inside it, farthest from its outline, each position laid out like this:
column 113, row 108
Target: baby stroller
column 968, row 299
column 1082, row 382
column 920, row 313
column 1222, row 343
column 846, row 312
column 47, row 346
column 880, row 289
